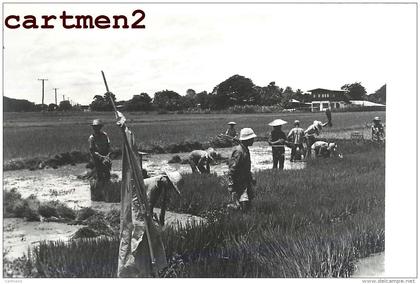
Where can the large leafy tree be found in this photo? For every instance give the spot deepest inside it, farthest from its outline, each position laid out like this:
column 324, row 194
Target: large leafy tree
column 168, row 100
column 102, row 103
column 236, row 90
column 270, row 95
column 139, row 102
column 288, row 95
column 355, row 91
column 379, row 96
column 64, row 106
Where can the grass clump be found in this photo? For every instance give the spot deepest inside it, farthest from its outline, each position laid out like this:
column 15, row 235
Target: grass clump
column 314, row 222
column 31, row 209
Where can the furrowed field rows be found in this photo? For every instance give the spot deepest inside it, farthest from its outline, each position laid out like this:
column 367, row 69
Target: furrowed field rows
column 36, row 134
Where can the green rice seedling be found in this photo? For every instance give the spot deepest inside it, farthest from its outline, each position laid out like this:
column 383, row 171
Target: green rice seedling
column 34, row 135
column 311, row 223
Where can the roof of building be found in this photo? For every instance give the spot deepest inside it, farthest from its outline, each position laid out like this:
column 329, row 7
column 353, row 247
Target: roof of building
column 323, row 90
column 364, row 103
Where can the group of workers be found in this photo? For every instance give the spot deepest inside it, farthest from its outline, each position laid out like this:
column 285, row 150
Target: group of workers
column 240, row 180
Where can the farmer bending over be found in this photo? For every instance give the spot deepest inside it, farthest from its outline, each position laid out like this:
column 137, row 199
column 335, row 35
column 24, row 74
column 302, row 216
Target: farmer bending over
column 277, row 142
column 200, row 160
column 324, row 149
column 160, row 187
column 99, row 147
column 240, row 180
column 313, row 129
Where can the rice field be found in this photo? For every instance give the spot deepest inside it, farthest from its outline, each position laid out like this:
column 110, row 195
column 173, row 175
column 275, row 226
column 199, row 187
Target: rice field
column 29, row 135
column 314, row 222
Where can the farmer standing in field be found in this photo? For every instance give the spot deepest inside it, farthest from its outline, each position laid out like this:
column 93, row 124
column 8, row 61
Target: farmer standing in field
column 296, row 135
column 314, row 129
column 378, row 132
column 231, row 130
column 277, row 141
column 240, row 180
column 200, row 160
column 99, row 147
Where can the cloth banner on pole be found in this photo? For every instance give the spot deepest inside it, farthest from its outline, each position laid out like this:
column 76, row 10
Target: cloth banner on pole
column 134, row 258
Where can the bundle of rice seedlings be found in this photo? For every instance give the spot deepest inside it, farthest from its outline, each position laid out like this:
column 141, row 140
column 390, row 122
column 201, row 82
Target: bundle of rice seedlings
column 84, row 213
column 48, row 210
column 84, row 232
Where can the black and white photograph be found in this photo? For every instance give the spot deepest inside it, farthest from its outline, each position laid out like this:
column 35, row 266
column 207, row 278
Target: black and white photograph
column 210, row 140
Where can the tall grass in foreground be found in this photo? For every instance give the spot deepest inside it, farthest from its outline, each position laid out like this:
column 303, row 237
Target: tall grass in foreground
column 310, row 223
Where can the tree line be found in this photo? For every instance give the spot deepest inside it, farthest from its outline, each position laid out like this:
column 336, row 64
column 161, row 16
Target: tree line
column 234, row 91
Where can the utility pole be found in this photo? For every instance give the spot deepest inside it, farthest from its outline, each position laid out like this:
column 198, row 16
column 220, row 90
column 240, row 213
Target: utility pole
column 42, row 89
column 55, row 91
column 64, row 98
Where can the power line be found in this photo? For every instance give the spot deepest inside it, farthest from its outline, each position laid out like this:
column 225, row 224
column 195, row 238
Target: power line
column 55, row 91
column 42, row 89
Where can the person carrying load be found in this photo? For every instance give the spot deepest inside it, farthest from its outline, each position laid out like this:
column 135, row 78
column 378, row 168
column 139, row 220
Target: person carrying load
column 296, row 135
column 100, row 149
column 200, row 160
column 240, row 180
column 277, row 141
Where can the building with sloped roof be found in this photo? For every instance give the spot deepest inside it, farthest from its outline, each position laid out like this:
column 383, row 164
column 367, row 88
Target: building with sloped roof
column 322, row 99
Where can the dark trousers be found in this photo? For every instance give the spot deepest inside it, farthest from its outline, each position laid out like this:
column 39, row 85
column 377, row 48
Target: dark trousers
column 103, row 172
column 293, row 154
column 198, row 168
column 309, row 141
column 278, row 157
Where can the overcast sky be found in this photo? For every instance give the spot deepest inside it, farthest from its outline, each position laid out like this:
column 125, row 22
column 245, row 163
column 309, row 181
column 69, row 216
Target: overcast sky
column 197, row 46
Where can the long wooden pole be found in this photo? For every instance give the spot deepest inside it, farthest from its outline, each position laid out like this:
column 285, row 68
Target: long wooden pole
column 139, row 186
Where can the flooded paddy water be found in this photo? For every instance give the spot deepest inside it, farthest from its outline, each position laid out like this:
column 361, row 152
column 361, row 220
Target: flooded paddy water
column 63, row 184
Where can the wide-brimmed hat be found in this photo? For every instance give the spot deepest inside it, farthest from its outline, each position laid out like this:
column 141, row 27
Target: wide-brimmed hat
column 376, row 118
column 231, row 123
column 246, row 134
column 176, row 179
column 277, row 122
column 97, row 122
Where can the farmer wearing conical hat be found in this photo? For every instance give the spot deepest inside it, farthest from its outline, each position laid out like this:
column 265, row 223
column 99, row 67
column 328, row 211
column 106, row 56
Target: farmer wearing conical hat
column 240, row 180
column 99, row 147
column 378, row 131
column 231, row 130
column 314, row 129
column 296, row 135
column 277, row 141
column 200, row 160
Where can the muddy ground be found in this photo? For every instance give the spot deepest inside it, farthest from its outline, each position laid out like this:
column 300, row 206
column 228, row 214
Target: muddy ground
column 63, row 184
